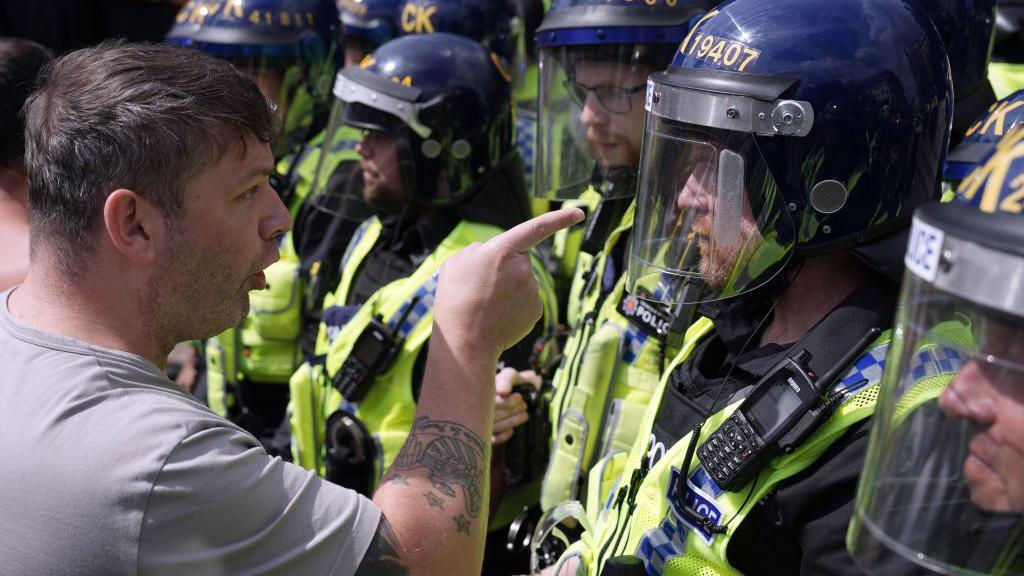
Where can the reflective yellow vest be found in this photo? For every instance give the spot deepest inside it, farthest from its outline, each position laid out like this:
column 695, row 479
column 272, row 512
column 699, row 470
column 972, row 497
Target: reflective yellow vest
column 567, row 243
column 388, row 408
column 266, row 347
column 1006, row 78
column 610, row 368
column 636, row 513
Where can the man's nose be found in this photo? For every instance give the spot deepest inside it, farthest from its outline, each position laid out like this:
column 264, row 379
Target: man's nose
column 593, row 113
column 278, row 220
column 965, row 396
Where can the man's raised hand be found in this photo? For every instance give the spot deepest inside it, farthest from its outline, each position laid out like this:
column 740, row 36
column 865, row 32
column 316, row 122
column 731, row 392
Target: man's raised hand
column 487, row 296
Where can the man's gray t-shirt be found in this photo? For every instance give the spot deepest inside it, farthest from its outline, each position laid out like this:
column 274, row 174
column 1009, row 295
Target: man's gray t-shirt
column 107, row 467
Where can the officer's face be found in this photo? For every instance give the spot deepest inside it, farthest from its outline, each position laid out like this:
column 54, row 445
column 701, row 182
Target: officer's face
column 355, row 50
column 724, row 227
column 990, row 395
column 382, row 177
column 225, row 237
column 615, row 137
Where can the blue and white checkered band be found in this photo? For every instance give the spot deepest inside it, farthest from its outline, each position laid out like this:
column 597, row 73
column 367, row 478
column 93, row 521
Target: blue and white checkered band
column 635, row 336
column 422, row 302
column 526, row 127
column 635, row 340
column 334, row 319
column 356, row 238
column 866, row 371
column 936, row 360
column 344, row 144
column 668, row 540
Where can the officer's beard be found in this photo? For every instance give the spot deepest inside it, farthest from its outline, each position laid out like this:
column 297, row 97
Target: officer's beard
column 719, row 260
column 383, row 199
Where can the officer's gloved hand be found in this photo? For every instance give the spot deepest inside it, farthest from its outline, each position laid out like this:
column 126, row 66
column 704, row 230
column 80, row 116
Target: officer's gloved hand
column 510, row 408
column 487, row 296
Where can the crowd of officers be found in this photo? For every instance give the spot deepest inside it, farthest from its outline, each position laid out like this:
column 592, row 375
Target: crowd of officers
column 727, row 377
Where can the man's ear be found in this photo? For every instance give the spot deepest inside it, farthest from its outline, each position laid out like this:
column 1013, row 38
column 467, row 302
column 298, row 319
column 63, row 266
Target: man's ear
column 134, row 226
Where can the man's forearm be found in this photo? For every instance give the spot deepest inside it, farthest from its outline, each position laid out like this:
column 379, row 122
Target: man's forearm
column 435, row 494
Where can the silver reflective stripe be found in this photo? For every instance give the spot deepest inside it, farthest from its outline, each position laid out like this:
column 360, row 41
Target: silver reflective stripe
column 351, row 92
column 730, row 112
column 728, row 205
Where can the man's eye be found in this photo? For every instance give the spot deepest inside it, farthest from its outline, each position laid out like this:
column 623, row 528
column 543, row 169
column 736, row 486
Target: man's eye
column 250, row 192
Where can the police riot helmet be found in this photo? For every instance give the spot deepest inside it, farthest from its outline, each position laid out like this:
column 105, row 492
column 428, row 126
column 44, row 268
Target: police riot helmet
column 369, row 22
column 785, row 128
column 289, row 47
column 967, row 28
column 446, row 102
column 486, row 21
column 595, row 56
column 943, row 484
column 983, row 135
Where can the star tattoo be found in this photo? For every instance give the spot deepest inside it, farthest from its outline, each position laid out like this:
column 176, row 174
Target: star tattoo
column 461, row 524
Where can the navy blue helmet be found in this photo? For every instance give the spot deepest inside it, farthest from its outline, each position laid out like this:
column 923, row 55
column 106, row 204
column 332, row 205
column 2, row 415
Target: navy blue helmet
column 984, row 134
column 486, row 21
column 445, row 99
column 786, row 127
column 291, row 49
column 370, row 22
column 968, row 29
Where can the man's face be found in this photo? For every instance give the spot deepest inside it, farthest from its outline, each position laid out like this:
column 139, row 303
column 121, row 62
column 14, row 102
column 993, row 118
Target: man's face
column 216, row 252
column 724, row 237
column 382, row 178
column 990, row 396
column 614, row 137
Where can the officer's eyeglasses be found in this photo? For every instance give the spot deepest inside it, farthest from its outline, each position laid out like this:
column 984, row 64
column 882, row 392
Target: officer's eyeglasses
column 615, row 99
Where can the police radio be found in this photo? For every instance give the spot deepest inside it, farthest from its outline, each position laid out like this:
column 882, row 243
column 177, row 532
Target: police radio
column 786, row 406
column 373, row 352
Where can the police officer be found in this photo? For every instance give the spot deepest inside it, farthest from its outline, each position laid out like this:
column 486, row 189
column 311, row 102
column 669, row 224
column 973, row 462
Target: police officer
column 943, row 488
column 440, row 172
column 496, row 26
column 767, row 172
column 291, row 48
column 588, row 142
column 595, row 57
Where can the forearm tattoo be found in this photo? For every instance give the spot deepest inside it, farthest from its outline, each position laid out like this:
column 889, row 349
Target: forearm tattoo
column 454, row 457
column 382, row 557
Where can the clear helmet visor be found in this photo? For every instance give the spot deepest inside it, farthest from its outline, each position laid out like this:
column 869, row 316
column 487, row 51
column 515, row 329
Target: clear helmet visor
column 710, row 221
column 590, row 121
column 338, row 181
column 943, row 485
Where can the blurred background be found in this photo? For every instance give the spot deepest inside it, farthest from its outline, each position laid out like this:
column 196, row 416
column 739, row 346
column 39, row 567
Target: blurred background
column 64, row 25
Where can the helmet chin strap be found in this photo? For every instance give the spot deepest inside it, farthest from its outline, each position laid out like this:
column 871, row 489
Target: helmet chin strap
column 614, row 181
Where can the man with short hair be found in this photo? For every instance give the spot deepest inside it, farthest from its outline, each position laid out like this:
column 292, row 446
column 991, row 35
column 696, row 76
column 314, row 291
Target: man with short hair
column 151, row 219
